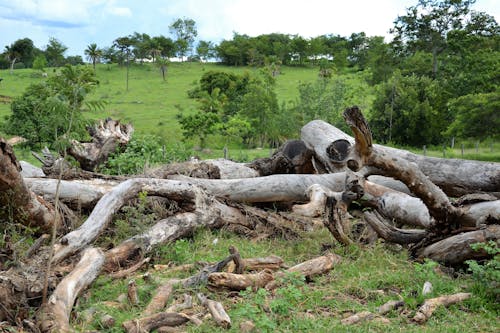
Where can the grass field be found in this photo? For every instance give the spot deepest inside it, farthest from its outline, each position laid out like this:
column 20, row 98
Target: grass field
column 366, row 279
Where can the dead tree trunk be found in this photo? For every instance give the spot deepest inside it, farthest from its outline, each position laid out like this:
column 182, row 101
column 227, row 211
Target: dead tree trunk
column 107, row 136
column 17, row 202
column 455, row 177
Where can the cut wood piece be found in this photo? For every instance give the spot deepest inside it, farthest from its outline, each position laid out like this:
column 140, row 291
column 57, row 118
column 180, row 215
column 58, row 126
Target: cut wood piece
column 455, row 177
column 456, row 249
column 132, row 296
column 233, row 281
column 427, row 309
column 128, row 271
column 216, row 310
column 238, row 262
column 389, row 306
column 147, row 324
column 316, row 266
column 107, row 136
column 160, row 298
column 17, row 201
column 257, row 264
column 186, row 304
column 358, row 317
column 55, row 315
column 317, row 201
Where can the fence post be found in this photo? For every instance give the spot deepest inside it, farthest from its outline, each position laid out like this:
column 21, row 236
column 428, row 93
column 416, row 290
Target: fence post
column 477, row 147
column 425, row 150
column 491, row 147
column 225, row 152
column 444, row 151
column 163, row 152
column 462, row 148
column 452, row 142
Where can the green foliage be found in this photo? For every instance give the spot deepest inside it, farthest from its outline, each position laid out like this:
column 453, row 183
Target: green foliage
column 143, row 152
column 40, row 62
column 45, row 111
column 476, row 116
column 486, row 275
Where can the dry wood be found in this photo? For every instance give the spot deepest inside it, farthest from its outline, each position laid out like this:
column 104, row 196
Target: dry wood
column 391, row 233
column 107, row 136
column 216, row 310
column 132, row 269
column 149, row 323
column 456, row 249
column 389, row 306
column 316, row 266
column 56, row 314
column 358, row 317
column 427, row 309
column 186, row 304
column 257, row 264
column 454, row 176
column 17, row 201
column 160, row 298
column 132, row 296
column 233, row 281
column 238, row 262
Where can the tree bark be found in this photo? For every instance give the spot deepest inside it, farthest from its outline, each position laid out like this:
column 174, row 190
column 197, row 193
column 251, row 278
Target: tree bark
column 17, row 201
column 231, row 281
column 427, row 309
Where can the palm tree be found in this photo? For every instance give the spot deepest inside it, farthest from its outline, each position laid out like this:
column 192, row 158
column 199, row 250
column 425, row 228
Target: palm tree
column 93, row 54
column 162, row 64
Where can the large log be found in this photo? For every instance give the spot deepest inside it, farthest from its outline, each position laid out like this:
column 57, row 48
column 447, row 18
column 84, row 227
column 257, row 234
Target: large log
column 454, row 176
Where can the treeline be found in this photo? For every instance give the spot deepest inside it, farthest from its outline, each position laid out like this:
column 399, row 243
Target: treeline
column 438, row 78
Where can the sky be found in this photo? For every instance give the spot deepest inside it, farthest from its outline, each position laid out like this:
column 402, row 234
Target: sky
column 78, row 23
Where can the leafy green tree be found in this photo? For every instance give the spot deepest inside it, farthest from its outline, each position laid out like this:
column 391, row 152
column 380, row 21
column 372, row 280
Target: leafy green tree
column 40, row 62
column 45, row 111
column 141, row 46
column 93, row 54
column 22, row 50
column 476, row 116
column 199, row 124
column 426, row 25
column 185, row 33
column 205, row 50
column 407, row 111
column 54, row 52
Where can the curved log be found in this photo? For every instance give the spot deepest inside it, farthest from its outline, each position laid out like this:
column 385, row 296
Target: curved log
column 393, row 234
column 55, row 315
column 455, row 177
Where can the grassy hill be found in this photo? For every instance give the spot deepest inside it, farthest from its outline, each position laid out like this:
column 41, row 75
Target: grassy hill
column 150, row 103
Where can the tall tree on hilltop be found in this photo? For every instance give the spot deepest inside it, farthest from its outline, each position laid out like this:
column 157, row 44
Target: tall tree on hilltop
column 426, row 25
column 22, row 50
column 54, row 52
column 185, row 33
column 93, row 54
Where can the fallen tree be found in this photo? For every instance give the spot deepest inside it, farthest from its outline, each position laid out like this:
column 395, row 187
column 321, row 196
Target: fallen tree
column 418, row 214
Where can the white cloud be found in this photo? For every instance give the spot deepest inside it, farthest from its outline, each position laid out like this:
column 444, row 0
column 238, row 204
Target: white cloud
column 120, row 11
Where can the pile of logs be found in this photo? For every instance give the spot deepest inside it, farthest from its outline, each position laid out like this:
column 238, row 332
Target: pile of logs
column 319, row 176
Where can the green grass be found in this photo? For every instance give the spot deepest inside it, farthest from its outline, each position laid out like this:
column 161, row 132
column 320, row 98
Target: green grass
column 366, row 279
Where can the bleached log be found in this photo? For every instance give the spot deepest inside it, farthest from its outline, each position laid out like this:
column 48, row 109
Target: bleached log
column 391, row 233
column 427, row 309
column 75, row 193
column 111, row 202
column 455, row 177
column 55, row 316
column 17, row 201
column 316, row 266
column 256, row 264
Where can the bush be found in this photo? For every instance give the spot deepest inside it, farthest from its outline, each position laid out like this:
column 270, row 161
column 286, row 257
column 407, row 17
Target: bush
column 486, row 274
column 142, row 152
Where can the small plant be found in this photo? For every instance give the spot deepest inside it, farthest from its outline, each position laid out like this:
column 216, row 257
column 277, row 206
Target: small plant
column 486, row 275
